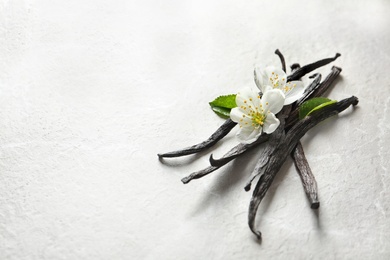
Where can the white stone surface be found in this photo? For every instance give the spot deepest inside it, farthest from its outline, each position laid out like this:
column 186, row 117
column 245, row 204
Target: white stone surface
column 91, row 91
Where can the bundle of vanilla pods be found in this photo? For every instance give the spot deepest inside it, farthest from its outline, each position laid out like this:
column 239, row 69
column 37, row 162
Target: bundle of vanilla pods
column 284, row 142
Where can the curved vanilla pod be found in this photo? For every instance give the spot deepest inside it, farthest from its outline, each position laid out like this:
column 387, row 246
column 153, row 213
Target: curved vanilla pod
column 310, row 89
column 229, row 156
column 324, row 86
column 221, row 132
column 284, row 148
column 238, row 150
column 308, row 180
column 299, row 73
column 282, row 61
column 316, row 91
column 302, row 165
column 274, row 139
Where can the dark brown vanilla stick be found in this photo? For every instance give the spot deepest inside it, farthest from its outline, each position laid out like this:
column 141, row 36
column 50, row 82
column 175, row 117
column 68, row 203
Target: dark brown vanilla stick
column 308, row 181
column 316, row 91
column 275, row 138
column 310, row 89
column 267, row 176
column 284, row 148
column 294, row 67
column 281, row 57
column 221, row 132
column 238, row 150
column 229, row 156
column 324, row 86
column 303, row 169
column 263, row 184
column 199, row 174
column 299, row 73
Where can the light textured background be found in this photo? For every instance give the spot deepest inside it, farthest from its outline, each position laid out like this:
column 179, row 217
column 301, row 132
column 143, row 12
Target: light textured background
column 91, row 91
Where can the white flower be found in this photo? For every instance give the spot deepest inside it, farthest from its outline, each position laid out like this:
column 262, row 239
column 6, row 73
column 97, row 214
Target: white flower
column 275, row 78
column 255, row 115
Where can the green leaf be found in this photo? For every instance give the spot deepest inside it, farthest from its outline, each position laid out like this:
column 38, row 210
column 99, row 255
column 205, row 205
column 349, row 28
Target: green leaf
column 314, row 104
column 223, row 104
column 228, row 101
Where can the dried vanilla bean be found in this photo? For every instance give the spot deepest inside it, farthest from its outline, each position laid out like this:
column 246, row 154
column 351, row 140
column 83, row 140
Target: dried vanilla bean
column 275, row 139
column 299, row 73
column 221, row 132
column 267, row 176
column 324, row 86
column 310, row 89
column 308, row 181
column 294, row 67
column 317, row 91
column 302, row 126
column 229, row 156
column 303, row 169
column 238, row 150
column 199, row 174
column 263, row 184
column 284, row 148
column 281, row 57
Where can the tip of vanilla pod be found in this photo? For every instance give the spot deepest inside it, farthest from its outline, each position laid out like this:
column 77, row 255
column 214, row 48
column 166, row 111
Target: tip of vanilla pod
column 315, row 205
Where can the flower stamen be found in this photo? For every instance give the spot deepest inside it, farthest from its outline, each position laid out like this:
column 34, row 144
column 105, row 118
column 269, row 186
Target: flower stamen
column 258, row 119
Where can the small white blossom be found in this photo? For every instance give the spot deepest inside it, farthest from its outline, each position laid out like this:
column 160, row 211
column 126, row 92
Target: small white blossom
column 275, row 78
column 256, row 114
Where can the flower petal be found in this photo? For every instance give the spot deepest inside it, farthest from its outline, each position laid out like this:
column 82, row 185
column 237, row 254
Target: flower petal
column 246, row 96
column 294, row 91
column 259, row 79
column 248, row 135
column 273, row 100
column 240, row 116
column 270, row 123
column 236, row 114
column 248, row 100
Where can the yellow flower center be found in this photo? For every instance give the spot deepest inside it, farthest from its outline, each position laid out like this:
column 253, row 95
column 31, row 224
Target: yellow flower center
column 258, row 119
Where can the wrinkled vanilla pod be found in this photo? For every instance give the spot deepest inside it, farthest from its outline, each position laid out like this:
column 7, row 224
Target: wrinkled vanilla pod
column 324, row 86
column 303, row 169
column 221, row 132
column 299, row 73
column 317, row 91
column 284, row 148
column 308, row 181
column 274, row 140
column 294, row 67
column 310, row 89
column 229, row 156
column 282, row 61
column 238, row 150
